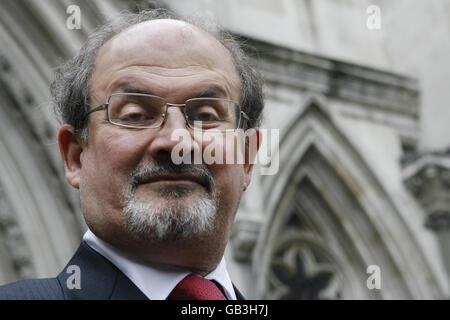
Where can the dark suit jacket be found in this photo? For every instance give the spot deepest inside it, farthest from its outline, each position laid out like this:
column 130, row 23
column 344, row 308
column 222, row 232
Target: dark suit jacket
column 100, row 280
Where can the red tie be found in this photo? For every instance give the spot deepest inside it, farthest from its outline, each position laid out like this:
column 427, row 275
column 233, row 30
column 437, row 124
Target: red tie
column 196, row 288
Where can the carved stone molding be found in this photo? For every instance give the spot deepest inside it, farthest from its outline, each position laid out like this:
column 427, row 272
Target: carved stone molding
column 243, row 238
column 302, row 268
column 428, row 179
column 18, row 249
column 438, row 221
column 388, row 91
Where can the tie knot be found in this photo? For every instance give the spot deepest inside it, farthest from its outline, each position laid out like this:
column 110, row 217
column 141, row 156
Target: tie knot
column 196, row 288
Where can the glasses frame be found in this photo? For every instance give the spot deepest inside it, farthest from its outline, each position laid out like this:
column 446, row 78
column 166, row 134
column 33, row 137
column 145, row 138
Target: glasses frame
column 105, row 106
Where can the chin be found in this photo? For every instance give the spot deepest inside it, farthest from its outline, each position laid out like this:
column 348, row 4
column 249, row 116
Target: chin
column 170, row 219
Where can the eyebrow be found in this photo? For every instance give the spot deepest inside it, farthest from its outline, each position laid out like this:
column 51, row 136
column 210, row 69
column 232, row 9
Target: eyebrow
column 212, row 92
column 129, row 88
column 209, row 92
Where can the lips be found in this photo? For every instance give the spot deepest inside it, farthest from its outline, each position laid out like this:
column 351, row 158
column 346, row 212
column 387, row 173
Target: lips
column 173, row 178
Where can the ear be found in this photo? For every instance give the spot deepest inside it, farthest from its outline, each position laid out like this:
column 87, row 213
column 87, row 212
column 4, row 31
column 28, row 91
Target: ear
column 253, row 139
column 71, row 148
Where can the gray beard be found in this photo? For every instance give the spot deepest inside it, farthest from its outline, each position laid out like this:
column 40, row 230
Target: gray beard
column 170, row 218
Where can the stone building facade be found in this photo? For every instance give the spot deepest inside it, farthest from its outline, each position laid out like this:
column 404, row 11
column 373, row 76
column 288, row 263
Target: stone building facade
column 359, row 191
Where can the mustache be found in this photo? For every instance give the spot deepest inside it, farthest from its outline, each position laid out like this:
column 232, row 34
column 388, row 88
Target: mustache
column 161, row 168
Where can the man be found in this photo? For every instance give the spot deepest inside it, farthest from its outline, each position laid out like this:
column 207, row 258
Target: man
column 157, row 228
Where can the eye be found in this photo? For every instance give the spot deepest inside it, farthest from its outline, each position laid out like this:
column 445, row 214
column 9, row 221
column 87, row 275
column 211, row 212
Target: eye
column 136, row 117
column 204, row 117
column 135, row 114
column 204, row 113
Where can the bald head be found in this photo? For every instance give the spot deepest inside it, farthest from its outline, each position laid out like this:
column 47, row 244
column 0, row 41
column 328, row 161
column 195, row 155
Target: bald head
column 159, row 51
column 167, row 37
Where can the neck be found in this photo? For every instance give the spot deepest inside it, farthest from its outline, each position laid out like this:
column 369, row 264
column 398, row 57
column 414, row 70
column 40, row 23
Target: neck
column 200, row 255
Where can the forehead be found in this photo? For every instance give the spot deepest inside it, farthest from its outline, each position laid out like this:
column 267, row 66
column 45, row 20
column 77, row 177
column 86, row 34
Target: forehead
column 166, row 49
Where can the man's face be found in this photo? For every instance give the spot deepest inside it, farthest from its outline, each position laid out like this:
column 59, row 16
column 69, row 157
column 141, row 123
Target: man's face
column 127, row 174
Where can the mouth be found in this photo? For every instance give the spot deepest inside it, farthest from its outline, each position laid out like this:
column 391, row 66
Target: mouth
column 174, row 179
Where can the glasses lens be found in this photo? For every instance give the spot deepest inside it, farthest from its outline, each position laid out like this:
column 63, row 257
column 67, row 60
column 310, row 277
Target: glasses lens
column 212, row 114
column 135, row 110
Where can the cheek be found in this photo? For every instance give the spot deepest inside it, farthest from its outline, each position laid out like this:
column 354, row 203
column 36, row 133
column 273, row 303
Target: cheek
column 110, row 159
column 119, row 152
column 223, row 153
column 229, row 181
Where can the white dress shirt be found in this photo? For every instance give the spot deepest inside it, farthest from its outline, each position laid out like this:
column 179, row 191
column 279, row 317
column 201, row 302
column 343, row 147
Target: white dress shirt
column 156, row 281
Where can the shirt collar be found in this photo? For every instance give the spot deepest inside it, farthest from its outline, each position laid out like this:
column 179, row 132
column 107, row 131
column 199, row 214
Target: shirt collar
column 156, row 281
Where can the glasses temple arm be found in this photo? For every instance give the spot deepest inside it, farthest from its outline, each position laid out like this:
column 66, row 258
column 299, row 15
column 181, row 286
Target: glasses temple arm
column 102, row 107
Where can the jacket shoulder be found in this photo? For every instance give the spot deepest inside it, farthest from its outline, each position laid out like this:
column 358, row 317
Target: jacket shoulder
column 32, row 289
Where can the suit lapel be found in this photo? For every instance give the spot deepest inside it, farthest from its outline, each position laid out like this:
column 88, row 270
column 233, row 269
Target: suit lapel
column 100, row 279
column 239, row 295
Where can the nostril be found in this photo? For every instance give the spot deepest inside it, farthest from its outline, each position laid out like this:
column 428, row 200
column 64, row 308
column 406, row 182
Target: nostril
column 163, row 155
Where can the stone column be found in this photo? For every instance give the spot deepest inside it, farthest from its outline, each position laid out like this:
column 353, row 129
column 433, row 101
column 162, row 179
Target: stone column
column 428, row 178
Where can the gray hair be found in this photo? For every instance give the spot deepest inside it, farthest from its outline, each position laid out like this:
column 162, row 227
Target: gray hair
column 71, row 87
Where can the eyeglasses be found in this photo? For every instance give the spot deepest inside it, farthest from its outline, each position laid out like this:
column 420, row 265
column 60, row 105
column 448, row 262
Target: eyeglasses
column 136, row 110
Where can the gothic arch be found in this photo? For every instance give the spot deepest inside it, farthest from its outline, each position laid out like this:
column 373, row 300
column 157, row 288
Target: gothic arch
column 329, row 218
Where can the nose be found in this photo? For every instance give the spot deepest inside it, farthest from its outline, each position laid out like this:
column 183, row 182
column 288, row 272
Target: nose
column 174, row 133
